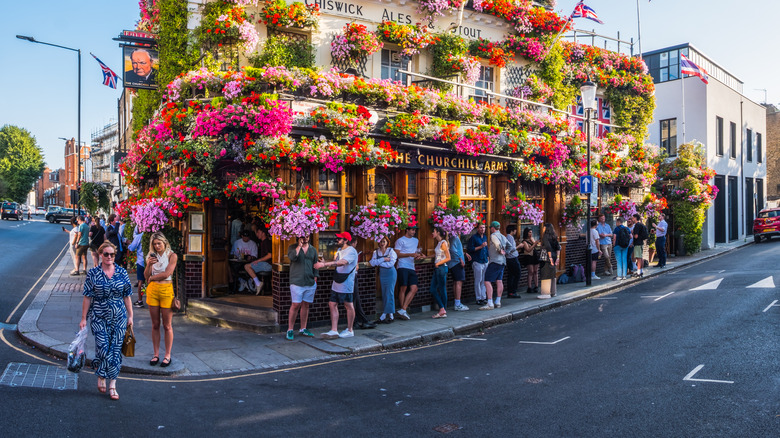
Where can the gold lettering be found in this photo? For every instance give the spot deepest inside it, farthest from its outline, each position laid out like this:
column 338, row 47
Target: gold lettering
column 446, row 162
column 439, row 161
column 400, row 158
column 420, row 159
column 429, row 160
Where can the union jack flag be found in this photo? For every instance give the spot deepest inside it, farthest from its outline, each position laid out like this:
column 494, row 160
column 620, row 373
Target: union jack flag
column 687, row 67
column 109, row 77
column 584, row 11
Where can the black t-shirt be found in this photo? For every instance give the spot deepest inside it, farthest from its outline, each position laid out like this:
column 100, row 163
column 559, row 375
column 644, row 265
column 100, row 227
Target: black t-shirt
column 98, row 235
column 264, row 248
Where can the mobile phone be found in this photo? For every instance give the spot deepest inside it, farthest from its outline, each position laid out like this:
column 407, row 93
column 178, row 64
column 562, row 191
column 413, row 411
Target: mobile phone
column 63, row 229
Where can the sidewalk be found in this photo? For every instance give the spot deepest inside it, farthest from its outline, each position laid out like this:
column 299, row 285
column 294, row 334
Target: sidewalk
column 51, row 321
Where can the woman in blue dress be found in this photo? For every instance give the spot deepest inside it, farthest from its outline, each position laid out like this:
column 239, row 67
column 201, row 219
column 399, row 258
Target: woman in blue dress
column 107, row 303
column 385, row 258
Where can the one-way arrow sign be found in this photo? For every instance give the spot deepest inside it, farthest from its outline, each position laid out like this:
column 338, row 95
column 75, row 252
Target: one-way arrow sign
column 586, row 184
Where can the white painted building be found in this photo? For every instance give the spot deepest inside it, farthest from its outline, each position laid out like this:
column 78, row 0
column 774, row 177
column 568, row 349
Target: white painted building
column 730, row 126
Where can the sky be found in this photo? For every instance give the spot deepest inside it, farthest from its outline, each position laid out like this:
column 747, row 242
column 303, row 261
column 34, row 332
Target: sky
column 38, row 86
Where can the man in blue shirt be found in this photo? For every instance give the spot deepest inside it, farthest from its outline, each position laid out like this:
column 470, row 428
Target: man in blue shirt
column 456, row 266
column 82, row 239
column 605, row 242
column 478, row 254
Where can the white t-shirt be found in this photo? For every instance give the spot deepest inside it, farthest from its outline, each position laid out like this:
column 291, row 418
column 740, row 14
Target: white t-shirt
column 406, row 245
column 241, row 248
column 350, row 255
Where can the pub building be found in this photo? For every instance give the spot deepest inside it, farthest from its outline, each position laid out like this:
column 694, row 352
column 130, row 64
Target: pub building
column 420, row 175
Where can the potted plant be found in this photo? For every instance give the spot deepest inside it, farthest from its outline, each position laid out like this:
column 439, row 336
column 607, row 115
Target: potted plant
column 380, row 220
column 455, row 217
column 354, row 44
column 573, row 212
column 301, row 217
column 520, row 210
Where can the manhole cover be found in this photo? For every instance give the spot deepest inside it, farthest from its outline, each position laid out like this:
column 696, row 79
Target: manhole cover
column 38, row 376
column 447, row 428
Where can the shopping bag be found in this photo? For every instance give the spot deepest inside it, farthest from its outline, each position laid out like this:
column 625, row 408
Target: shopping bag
column 128, row 344
column 76, row 352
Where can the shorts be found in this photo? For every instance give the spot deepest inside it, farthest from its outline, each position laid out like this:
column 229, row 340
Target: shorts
column 494, row 272
column 259, row 266
column 340, row 298
column 81, row 250
column 594, row 255
column 139, row 273
column 638, row 251
column 458, row 273
column 94, row 248
column 159, row 294
column 407, row 277
column 303, row 293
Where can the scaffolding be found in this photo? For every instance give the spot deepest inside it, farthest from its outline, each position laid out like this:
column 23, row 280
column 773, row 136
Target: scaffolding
column 105, row 143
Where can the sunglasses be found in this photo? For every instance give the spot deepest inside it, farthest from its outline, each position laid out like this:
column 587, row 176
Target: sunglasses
column 109, row 254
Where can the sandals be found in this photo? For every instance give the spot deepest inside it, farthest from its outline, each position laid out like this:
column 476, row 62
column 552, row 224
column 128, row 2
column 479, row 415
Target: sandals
column 101, row 388
column 164, row 364
column 155, row 360
column 113, row 394
column 439, row 315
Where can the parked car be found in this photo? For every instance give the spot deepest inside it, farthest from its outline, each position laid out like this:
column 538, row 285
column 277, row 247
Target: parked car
column 57, row 214
column 767, row 224
column 40, row 211
column 11, row 210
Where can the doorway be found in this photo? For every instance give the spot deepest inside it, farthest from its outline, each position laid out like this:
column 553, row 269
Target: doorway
column 750, row 203
column 720, row 210
column 733, row 216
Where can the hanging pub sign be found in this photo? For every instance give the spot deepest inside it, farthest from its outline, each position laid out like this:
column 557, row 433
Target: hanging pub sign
column 140, row 59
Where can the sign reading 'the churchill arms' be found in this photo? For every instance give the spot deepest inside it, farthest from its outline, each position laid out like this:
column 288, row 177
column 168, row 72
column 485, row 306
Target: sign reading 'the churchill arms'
column 416, row 159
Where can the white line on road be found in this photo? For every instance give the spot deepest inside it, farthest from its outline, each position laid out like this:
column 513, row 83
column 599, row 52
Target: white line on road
column 709, row 286
column 544, row 343
column 657, row 297
column 774, row 303
column 472, row 339
column 718, row 272
column 606, row 298
column 663, row 296
column 690, row 375
column 767, row 283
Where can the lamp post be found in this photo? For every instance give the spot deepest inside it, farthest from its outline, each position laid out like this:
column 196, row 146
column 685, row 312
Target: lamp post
column 588, row 93
column 78, row 154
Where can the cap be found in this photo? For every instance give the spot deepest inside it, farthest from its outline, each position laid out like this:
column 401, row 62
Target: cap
column 344, row 235
column 495, row 225
column 412, row 227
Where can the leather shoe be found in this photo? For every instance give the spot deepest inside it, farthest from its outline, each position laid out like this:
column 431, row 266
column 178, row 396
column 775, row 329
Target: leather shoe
column 366, row 325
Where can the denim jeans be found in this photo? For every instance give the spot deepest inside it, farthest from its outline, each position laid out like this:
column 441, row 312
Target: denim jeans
column 622, row 260
column 439, row 286
column 479, row 280
column 660, row 247
column 387, row 278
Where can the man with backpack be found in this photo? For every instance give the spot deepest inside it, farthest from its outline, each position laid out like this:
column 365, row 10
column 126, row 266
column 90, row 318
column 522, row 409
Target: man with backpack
column 640, row 235
column 622, row 238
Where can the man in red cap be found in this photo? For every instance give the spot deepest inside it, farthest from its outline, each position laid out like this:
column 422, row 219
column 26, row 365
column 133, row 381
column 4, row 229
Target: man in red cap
column 343, row 286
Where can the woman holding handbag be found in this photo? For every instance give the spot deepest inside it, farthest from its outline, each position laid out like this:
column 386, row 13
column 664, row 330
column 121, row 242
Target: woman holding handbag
column 107, row 303
column 160, row 265
column 549, row 259
column 529, row 256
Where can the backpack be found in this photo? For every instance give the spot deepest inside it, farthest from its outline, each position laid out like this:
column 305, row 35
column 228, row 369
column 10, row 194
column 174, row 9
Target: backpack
column 623, row 237
column 642, row 233
column 563, row 279
column 578, row 273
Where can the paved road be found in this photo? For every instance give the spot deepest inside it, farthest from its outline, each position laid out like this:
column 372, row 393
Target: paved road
column 613, row 366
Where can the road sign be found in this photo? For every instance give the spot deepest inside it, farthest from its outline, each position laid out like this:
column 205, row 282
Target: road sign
column 586, row 184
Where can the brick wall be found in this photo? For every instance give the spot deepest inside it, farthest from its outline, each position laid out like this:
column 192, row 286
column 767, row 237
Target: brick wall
column 193, row 278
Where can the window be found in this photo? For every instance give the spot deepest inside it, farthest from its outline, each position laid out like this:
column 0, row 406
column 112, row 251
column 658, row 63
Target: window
column 486, row 80
column 300, row 179
column 749, row 144
column 384, row 184
column 669, row 136
column 759, row 149
column 733, row 144
column 411, row 193
column 665, row 66
column 392, row 62
column 719, row 136
column 473, row 190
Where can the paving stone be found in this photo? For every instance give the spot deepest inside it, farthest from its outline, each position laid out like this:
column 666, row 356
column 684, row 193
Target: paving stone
column 222, row 360
column 296, row 350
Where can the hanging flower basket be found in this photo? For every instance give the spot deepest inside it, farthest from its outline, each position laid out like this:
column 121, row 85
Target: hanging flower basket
column 151, row 215
column 302, row 217
column 455, row 217
column 355, row 43
column 276, row 13
column 520, row 210
column 625, row 209
column 575, row 209
column 258, row 184
column 380, row 220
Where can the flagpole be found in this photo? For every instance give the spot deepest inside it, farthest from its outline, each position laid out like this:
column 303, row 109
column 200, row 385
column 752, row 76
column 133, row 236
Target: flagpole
column 682, row 80
column 555, row 40
column 639, row 28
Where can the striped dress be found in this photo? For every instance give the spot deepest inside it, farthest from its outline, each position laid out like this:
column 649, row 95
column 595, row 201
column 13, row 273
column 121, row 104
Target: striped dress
column 107, row 318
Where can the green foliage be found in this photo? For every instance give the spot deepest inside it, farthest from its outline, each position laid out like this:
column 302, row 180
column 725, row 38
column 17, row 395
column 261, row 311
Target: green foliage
column 446, row 44
column 382, row 199
column 94, row 197
column 453, row 202
column 618, row 198
column 286, row 51
column 632, row 111
column 690, row 220
column 551, row 73
column 21, row 162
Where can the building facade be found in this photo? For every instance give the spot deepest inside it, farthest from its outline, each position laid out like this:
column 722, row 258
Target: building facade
column 773, row 153
column 732, row 128
column 104, row 157
column 74, row 171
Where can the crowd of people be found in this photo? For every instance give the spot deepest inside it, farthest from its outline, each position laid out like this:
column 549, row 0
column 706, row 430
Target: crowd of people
column 627, row 241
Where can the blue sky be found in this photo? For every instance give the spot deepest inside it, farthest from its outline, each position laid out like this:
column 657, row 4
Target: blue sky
column 38, row 83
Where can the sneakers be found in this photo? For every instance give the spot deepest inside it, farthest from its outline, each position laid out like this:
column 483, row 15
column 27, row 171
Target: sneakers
column 614, row 278
column 543, row 297
column 608, row 273
column 290, row 335
column 241, row 284
column 138, row 303
column 305, row 332
column 594, row 277
column 498, row 305
column 74, row 272
column 461, row 308
column 259, row 288
column 481, row 302
column 488, row 307
column 346, row 334
column 403, row 315
column 332, row 334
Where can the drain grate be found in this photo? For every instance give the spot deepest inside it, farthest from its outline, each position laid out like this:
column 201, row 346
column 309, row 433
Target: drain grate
column 38, row 376
column 447, row 428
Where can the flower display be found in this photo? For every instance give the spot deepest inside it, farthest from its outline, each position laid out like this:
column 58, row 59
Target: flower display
column 302, row 217
column 652, row 206
column 224, row 23
column 433, row 9
column 380, row 220
column 258, row 184
column 150, row 215
column 483, row 140
column 574, row 210
column 270, row 119
column 625, row 208
column 342, row 121
column 454, row 217
column 356, row 42
column 276, row 13
column 520, row 210
column 468, row 66
column 487, row 49
column 411, row 37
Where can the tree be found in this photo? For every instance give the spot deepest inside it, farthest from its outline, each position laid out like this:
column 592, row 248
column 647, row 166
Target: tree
column 21, row 162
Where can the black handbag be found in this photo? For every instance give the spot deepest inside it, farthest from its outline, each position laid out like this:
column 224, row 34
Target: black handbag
column 340, row 277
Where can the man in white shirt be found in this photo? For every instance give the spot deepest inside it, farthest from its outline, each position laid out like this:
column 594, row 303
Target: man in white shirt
column 407, row 249
column 245, row 246
column 343, row 293
column 660, row 239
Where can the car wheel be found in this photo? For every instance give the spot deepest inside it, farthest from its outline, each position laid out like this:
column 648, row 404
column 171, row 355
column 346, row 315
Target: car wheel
column 51, row 219
column 757, row 238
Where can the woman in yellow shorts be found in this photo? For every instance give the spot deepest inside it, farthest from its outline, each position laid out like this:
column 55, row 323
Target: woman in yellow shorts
column 160, row 265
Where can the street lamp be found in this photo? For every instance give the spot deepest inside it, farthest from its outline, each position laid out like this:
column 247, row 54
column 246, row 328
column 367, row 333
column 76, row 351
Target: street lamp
column 78, row 155
column 588, row 93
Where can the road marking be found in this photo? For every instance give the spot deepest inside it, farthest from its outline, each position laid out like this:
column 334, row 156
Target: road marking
column 774, row 303
column 472, row 339
column 718, row 272
column 767, row 283
column 544, row 343
column 606, row 298
column 709, row 286
column 690, row 378
column 657, row 297
column 663, row 296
